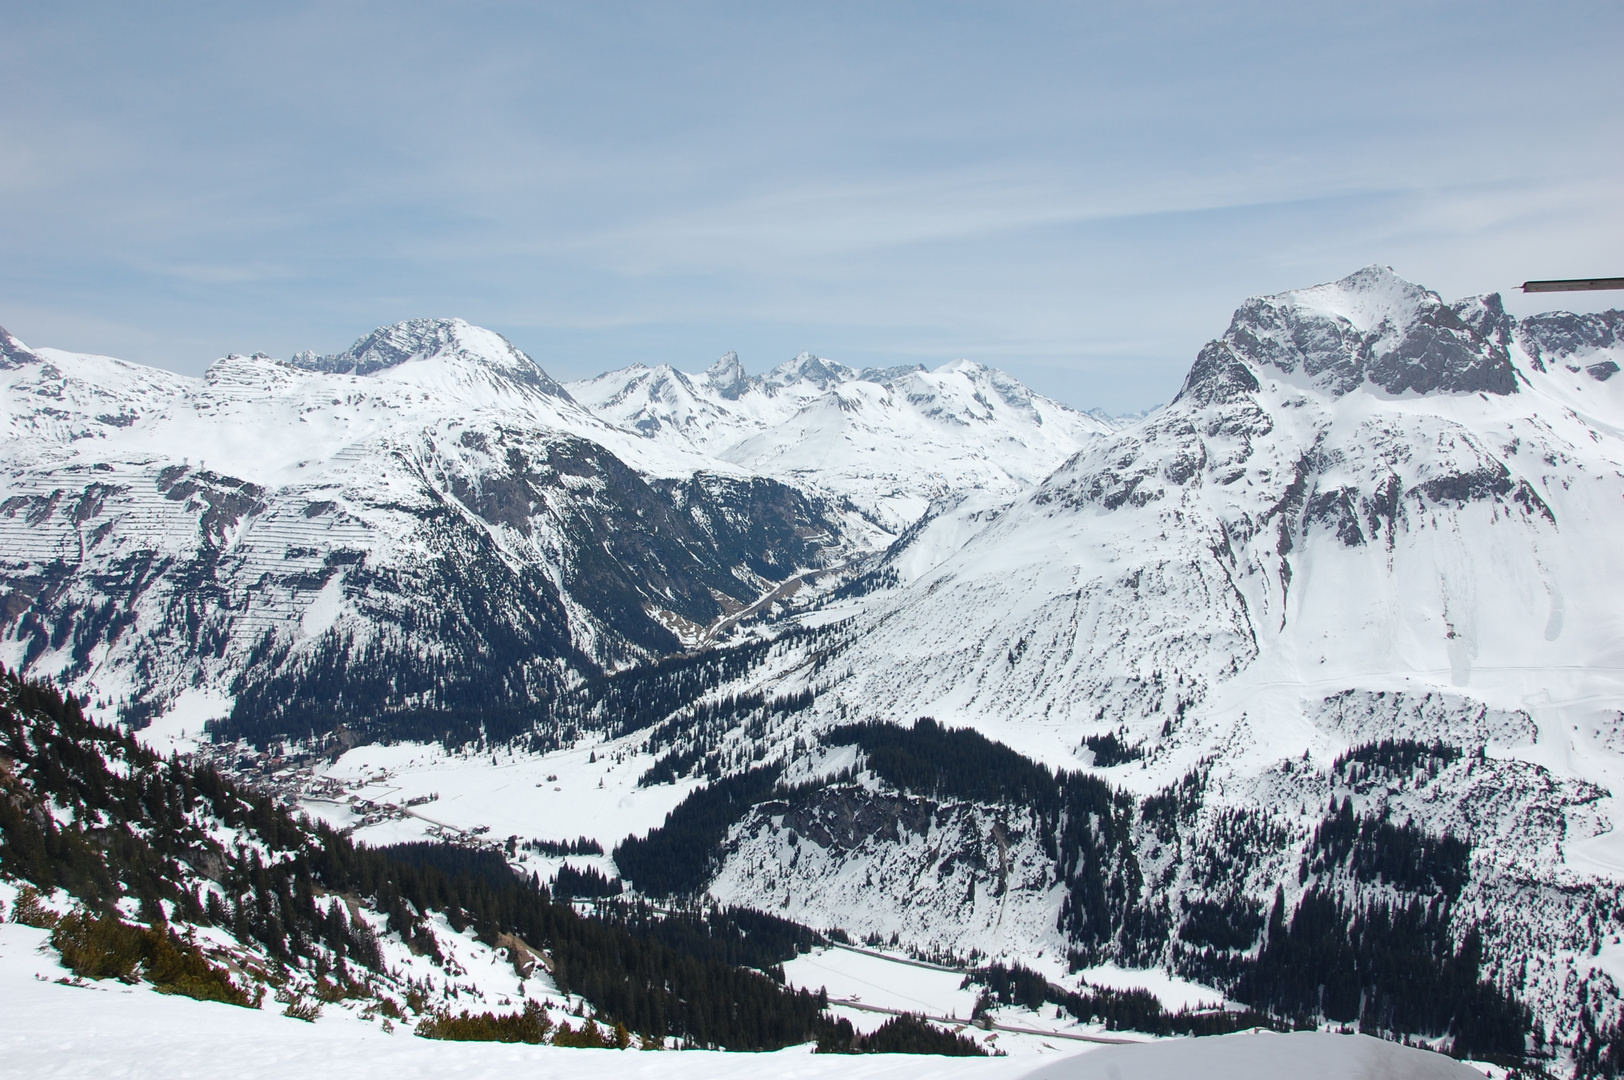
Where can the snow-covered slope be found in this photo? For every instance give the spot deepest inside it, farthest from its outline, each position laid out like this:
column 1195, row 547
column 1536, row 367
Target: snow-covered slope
column 1301, row 517
column 1256, row 1054
column 890, row 440
column 1355, row 489
column 1369, row 515
column 423, row 522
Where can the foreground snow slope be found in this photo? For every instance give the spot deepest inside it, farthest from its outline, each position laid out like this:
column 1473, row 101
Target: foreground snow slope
column 1241, row 1057
column 117, row 1031
column 892, row 441
column 110, row 1030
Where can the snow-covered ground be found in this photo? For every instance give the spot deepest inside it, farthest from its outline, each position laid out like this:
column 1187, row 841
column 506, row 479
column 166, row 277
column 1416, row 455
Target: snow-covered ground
column 869, row 984
column 868, row 979
column 1173, row 992
column 1252, row 1055
column 589, row 791
column 109, row 1031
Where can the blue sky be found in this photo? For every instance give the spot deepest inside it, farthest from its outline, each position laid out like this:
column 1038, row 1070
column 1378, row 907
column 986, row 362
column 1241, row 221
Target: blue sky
column 1077, row 193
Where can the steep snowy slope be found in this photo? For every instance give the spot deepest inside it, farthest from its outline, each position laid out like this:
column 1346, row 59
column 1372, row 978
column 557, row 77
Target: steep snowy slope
column 891, row 440
column 1368, row 516
column 425, row 524
column 1356, row 489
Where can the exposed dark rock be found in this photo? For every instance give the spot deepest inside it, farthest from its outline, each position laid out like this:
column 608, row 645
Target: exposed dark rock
column 1555, row 336
column 1419, row 346
column 1217, row 375
column 1441, row 354
column 728, row 377
column 13, row 353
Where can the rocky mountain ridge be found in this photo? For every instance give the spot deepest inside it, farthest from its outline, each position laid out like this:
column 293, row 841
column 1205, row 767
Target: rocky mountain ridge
column 891, row 441
column 427, row 515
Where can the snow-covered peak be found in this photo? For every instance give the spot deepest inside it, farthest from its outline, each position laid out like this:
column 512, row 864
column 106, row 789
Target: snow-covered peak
column 429, row 339
column 1364, row 298
column 727, row 376
column 14, row 353
column 809, row 368
column 1372, row 328
column 892, row 440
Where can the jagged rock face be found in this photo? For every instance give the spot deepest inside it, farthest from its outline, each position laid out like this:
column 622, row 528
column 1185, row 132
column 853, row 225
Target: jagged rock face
column 14, row 353
column 727, row 377
column 1370, row 327
column 414, row 528
column 1574, row 341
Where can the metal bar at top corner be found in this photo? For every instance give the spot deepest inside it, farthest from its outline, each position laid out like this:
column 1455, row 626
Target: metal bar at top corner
column 1595, row 284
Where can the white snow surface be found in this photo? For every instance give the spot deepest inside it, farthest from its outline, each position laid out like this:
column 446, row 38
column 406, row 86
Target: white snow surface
column 887, row 983
column 560, row 796
column 1243, row 1056
column 106, row 1029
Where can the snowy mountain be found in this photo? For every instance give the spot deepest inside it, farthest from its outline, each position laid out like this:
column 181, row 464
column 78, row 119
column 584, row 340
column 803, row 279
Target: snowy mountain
column 1359, row 487
column 425, row 527
column 892, row 441
column 1294, row 689
column 1358, row 563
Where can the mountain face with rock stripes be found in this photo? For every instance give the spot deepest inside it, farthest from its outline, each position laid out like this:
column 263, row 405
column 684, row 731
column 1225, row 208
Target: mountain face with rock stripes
column 425, row 528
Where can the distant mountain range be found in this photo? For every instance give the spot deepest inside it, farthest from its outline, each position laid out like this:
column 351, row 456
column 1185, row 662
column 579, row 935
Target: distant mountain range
column 429, row 516
column 890, row 441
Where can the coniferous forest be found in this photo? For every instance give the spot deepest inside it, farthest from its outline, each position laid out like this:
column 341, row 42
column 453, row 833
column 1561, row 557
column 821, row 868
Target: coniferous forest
column 136, row 833
column 1406, row 969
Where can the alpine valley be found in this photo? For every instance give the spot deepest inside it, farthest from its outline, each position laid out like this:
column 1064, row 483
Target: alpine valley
column 1297, row 702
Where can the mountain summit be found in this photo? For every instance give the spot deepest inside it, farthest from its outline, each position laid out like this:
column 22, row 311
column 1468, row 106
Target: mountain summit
column 432, row 339
column 1372, row 328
